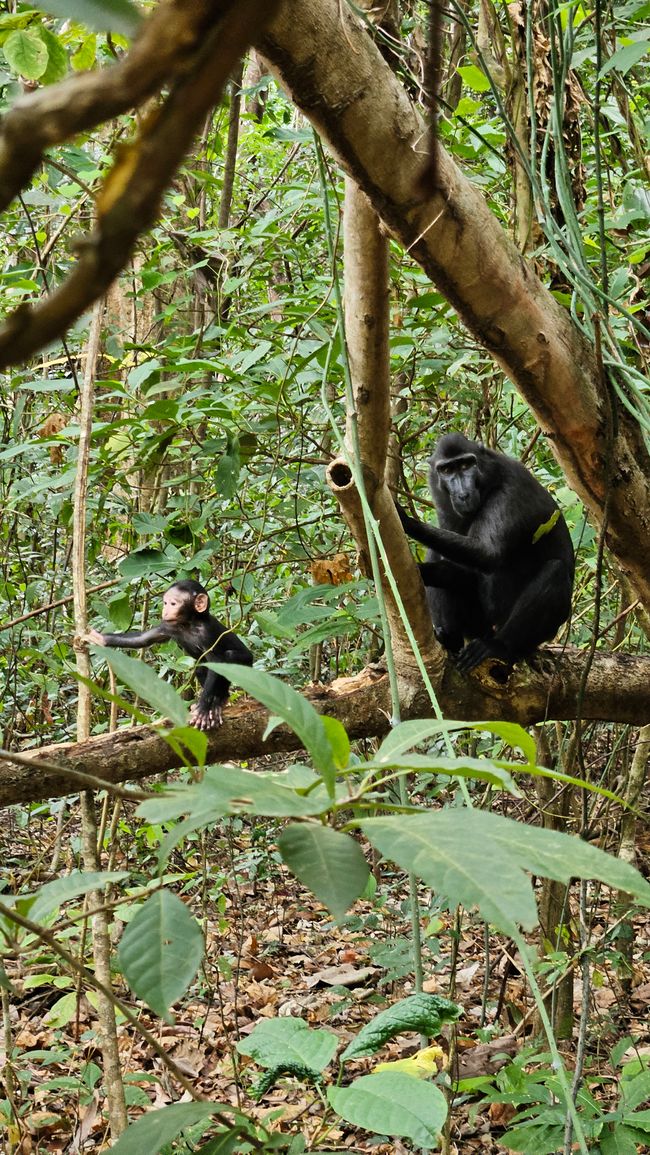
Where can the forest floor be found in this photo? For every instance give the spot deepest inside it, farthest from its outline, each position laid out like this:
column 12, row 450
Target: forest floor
column 273, row 950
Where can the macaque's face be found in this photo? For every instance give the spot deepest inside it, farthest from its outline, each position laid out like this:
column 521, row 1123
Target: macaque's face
column 177, row 605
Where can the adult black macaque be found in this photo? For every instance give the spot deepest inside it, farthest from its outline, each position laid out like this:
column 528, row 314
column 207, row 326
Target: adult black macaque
column 186, row 619
column 500, row 565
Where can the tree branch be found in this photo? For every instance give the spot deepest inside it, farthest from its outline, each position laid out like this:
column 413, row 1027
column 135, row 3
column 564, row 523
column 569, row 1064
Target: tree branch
column 334, row 72
column 542, row 691
column 211, row 37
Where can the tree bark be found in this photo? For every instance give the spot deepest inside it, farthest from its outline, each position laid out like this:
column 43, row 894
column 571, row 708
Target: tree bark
column 334, row 72
column 617, row 690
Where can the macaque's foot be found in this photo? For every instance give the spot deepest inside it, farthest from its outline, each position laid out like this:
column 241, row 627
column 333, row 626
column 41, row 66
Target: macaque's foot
column 206, row 719
column 481, row 651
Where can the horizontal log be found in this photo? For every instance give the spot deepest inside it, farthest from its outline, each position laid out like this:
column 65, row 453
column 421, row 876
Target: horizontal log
column 547, row 688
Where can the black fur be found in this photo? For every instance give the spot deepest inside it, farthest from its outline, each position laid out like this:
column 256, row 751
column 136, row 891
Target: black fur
column 200, row 635
column 493, row 591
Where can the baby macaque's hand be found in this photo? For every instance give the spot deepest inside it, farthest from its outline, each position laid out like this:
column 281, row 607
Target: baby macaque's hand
column 95, row 637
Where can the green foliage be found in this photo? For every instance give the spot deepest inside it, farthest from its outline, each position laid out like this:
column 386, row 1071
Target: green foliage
column 160, row 951
column 104, row 15
column 274, row 1043
column 51, row 895
column 423, row 1013
column 330, row 864
column 292, row 708
column 143, row 681
column 395, row 1104
column 530, row 1084
column 155, row 1130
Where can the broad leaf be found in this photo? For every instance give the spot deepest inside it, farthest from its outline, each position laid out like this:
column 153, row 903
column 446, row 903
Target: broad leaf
column 26, row 53
column 409, row 734
column 52, row 895
column 330, row 863
column 104, row 15
column 462, row 767
column 160, row 951
column 480, row 859
column 140, row 678
column 289, row 705
column 157, row 1129
column 393, row 1104
column 227, row 790
column 422, row 1013
column 560, row 856
column 274, row 1042
column 626, row 57
column 458, row 862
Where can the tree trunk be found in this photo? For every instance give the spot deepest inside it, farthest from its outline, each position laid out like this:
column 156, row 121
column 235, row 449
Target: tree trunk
column 335, row 73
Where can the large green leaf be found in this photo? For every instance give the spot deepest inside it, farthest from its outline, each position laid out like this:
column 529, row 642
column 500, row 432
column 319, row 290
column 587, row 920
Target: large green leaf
column 462, row 767
column 625, row 58
column 104, row 15
column 392, row 1103
column 227, row 790
column 423, row 1013
column 292, row 708
column 57, row 57
column 409, row 734
column 147, row 685
column 160, row 951
column 155, row 1130
column 468, row 868
column 330, row 863
column 26, row 53
column 560, row 856
column 53, row 894
column 277, row 1042
column 481, row 859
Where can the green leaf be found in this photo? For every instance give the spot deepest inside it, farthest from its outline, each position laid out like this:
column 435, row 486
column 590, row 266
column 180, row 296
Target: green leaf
column 330, row 863
column 140, row 678
column 229, row 790
column 62, row 1012
column 52, row 895
column 463, row 767
column 546, row 526
column 626, row 57
column 474, row 78
column 157, row 1129
column 84, row 58
column 57, row 57
column 409, row 734
column 560, row 856
column 295, row 710
column 104, row 15
column 422, row 1013
column 534, row 1138
column 338, row 740
column 146, row 562
column 458, row 860
column 392, row 1103
column 160, row 951
column 26, row 53
column 276, row 1041
column 635, row 1091
column 479, row 859
column 617, row 1140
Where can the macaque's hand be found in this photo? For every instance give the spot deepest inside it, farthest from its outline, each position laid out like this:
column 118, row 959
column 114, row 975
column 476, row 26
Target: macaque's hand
column 95, row 637
column 209, row 719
